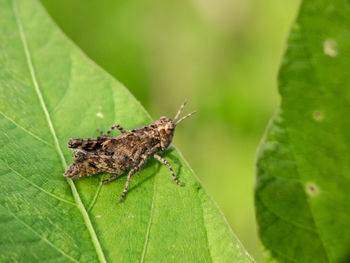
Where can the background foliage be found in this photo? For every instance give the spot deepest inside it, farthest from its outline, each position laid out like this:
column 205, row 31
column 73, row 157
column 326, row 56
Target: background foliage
column 223, row 56
column 303, row 175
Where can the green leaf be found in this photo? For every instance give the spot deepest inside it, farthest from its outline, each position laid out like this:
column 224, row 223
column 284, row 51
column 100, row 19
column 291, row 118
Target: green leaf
column 50, row 92
column 303, row 167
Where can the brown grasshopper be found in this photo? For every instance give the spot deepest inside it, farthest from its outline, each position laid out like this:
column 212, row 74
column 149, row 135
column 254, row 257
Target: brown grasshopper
column 130, row 150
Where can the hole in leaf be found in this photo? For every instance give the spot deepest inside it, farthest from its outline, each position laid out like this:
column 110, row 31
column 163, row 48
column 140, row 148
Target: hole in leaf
column 317, row 115
column 330, row 48
column 100, row 115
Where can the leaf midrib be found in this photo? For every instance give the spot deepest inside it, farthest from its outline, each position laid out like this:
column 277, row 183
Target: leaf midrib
column 75, row 193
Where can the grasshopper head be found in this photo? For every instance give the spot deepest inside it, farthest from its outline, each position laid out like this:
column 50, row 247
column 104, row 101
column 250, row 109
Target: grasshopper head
column 166, row 127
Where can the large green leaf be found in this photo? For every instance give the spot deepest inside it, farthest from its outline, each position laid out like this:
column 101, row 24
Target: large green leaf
column 49, row 92
column 303, row 168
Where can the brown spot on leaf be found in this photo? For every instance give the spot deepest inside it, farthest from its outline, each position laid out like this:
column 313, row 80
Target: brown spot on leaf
column 312, row 189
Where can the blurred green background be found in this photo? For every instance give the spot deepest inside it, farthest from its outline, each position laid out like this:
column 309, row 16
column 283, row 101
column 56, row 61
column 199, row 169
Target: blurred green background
column 222, row 56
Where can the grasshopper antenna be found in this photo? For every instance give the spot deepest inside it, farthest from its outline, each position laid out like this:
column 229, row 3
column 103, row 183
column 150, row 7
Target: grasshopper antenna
column 185, row 117
column 180, row 110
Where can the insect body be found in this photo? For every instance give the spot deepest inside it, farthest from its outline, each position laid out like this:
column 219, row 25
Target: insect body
column 129, row 151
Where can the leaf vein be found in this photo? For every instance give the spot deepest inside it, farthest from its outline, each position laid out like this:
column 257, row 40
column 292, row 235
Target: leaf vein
column 76, row 195
column 41, row 237
column 24, row 129
column 66, row 92
column 233, row 235
column 286, row 220
column 95, row 197
column 282, row 255
column 145, row 246
column 40, row 188
column 307, row 201
column 312, row 67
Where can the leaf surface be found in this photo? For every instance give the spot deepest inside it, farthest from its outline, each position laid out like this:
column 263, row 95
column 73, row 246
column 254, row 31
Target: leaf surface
column 303, row 167
column 49, row 92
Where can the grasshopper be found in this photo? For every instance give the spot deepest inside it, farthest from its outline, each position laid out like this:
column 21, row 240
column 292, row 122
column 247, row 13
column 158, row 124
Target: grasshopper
column 126, row 152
